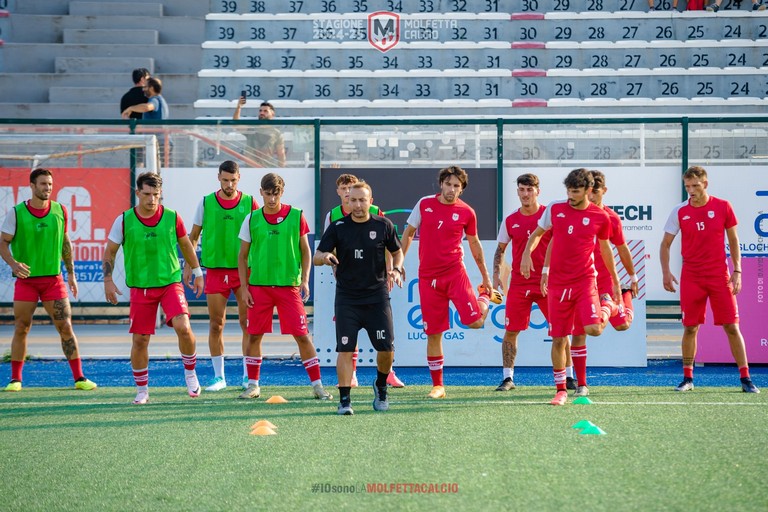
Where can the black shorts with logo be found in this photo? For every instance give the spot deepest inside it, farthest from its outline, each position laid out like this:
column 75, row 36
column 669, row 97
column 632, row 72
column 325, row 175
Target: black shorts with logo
column 376, row 319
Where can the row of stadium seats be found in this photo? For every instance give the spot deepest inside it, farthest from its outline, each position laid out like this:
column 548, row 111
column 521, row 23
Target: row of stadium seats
column 442, row 6
column 487, row 84
column 584, row 26
column 476, row 56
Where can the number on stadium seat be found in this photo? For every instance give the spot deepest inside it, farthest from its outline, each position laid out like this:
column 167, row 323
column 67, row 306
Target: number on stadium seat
column 629, row 32
column 460, row 90
column 634, row 88
column 598, row 89
column 632, row 60
column 217, row 91
column 732, row 32
column 704, row 89
column 228, row 6
column 563, row 89
column 257, row 6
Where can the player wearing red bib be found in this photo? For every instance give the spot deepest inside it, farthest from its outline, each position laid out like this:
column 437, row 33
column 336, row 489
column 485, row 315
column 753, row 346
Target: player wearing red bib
column 570, row 284
column 704, row 222
column 442, row 221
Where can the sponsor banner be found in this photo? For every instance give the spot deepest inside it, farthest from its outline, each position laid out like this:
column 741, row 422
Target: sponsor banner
column 94, row 197
column 713, row 344
column 473, row 347
column 643, row 197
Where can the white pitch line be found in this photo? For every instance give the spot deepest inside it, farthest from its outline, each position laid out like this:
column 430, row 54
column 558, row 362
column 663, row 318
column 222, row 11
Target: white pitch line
column 542, row 402
column 447, row 402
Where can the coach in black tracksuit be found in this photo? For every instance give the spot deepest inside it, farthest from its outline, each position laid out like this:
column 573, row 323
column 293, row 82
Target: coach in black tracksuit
column 356, row 245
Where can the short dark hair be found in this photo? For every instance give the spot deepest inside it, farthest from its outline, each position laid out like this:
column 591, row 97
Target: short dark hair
column 268, row 105
column 454, row 170
column 346, row 179
column 579, row 178
column 528, row 179
column 37, row 173
column 272, row 182
column 140, row 73
column 155, row 84
column 695, row 172
column 229, row 166
column 150, row 178
column 599, row 179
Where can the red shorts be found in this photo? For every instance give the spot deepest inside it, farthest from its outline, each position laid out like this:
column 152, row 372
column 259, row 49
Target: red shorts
column 290, row 310
column 435, row 292
column 43, row 288
column 694, row 292
column 144, row 302
column 578, row 303
column 221, row 280
column 604, row 286
column 520, row 300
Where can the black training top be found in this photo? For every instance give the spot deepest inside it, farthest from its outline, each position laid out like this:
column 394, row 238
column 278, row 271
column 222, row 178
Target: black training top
column 135, row 96
column 361, row 276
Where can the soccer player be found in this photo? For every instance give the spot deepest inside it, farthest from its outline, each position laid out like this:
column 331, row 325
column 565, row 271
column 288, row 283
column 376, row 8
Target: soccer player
column 219, row 217
column 149, row 234
column 273, row 241
column 443, row 220
column 357, row 245
column 621, row 315
column 34, row 243
column 522, row 292
column 343, row 185
column 570, row 284
column 704, row 222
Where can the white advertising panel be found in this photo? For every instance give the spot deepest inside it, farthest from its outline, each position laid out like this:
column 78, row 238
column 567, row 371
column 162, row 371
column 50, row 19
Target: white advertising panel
column 471, row 347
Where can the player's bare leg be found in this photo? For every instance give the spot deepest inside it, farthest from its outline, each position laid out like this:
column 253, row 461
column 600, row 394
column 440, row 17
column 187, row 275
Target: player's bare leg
column 140, row 366
column 689, row 356
column 23, row 311
column 217, row 314
column 508, row 355
column 252, row 358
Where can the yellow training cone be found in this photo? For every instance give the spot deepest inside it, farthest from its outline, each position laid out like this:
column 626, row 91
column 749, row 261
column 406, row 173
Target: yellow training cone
column 263, row 431
column 277, row 399
column 263, row 423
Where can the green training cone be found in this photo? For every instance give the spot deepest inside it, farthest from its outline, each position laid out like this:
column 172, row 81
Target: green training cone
column 583, row 424
column 583, row 400
column 593, row 430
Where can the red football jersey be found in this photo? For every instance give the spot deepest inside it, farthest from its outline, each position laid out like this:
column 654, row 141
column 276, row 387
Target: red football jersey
column 441, row 230
column 517, row 228
column 703, row 239
column 616, row 238
column 574, row 236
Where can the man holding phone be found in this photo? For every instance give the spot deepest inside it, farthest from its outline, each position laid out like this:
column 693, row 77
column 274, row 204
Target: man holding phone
column 265, row 144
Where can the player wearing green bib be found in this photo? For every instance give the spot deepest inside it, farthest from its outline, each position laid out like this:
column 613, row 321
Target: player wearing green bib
column 274, row 248
column 149, row 234
column 218, row 218
column 343, row 185
column 34, row 243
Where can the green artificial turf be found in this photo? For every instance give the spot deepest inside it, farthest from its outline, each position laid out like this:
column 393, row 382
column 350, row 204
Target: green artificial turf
column 68, row 450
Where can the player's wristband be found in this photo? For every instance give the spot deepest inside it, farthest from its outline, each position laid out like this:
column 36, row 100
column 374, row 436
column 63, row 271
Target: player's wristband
column 737, row 271
column 398, row 269
column 545, row 270
column 197, row 272
column 633, row 278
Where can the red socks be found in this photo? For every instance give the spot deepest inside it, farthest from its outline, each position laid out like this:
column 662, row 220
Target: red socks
column 253, row 367
column 435, row 364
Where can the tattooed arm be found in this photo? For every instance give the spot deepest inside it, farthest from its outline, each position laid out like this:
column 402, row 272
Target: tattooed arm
column 69, row 264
